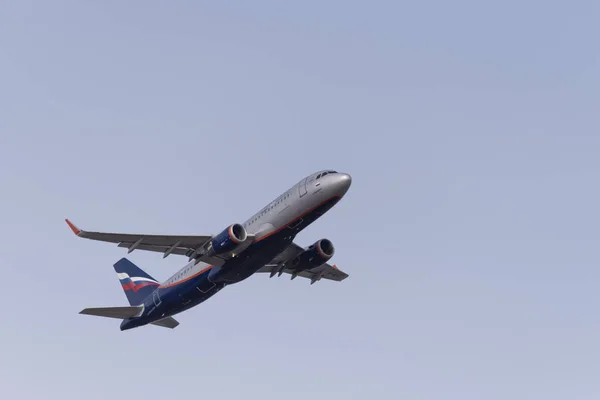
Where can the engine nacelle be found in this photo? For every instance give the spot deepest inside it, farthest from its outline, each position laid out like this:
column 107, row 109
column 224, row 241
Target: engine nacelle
column 316, row 254
column 230, row 239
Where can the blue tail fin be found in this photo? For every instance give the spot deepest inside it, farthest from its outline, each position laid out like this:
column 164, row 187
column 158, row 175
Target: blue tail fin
column 136, row 283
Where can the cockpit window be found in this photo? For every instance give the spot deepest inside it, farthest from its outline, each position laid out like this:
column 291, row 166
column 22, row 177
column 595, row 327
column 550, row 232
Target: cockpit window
column 325, row 173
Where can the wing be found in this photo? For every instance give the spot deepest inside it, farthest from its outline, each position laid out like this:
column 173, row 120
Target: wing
column 325, row 271
column 167, row 244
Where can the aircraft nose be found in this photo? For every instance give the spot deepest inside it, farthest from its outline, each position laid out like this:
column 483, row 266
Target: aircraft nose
column 343, row 182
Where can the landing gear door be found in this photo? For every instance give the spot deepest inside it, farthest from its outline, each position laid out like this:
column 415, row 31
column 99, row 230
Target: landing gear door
column 302, row 187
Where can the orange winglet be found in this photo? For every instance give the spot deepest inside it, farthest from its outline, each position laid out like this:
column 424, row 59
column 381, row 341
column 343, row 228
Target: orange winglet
column 75, row 229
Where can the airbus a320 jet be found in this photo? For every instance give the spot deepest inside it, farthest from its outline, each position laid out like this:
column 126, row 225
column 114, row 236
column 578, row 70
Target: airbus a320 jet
column 264, row 243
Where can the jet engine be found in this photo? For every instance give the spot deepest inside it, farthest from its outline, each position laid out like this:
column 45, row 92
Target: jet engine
column 229, row 240
column 315, row 255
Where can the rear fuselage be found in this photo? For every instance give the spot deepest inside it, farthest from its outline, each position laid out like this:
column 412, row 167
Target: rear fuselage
column 275, row 227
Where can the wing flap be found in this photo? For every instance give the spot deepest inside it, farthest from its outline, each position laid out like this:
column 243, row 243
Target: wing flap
column 325, row 271
column 182, row 251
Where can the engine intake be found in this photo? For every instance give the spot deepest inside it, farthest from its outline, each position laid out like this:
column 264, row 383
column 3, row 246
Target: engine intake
column 315, row 255
column 230, row 239
column 325, row 249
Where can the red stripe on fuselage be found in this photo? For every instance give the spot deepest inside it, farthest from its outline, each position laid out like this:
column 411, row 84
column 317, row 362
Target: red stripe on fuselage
column 188, row 278
column 295, row 219
column 255, row 241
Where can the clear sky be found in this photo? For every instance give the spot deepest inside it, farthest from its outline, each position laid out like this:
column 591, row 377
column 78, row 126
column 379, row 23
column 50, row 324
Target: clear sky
column 470, row 233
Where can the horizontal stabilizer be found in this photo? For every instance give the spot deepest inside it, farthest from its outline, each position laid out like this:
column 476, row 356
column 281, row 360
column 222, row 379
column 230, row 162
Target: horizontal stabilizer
column 168, row 322
column 114, row 312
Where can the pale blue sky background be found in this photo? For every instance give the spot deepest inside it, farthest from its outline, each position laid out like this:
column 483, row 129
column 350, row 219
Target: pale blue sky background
column 471, row 231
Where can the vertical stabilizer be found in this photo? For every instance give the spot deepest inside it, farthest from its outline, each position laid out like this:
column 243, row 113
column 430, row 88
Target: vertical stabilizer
column 136, row 284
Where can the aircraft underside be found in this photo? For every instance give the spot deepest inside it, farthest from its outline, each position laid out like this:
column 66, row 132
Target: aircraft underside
column 171, row 301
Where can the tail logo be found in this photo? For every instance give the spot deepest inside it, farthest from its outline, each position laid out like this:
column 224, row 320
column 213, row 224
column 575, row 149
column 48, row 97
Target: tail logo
column 135, row 283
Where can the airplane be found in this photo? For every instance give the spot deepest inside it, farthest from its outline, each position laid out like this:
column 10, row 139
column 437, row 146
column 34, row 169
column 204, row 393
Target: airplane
column 262, row 244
